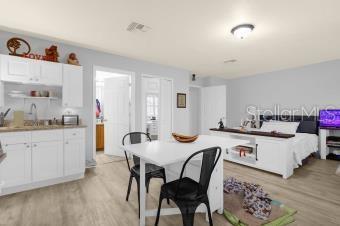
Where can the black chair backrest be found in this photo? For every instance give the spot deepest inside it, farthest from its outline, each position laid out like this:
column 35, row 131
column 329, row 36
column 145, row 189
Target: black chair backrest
column 135, row 138
column 209, row 161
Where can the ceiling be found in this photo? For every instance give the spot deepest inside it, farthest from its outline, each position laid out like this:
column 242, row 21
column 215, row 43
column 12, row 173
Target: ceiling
column 190, row 34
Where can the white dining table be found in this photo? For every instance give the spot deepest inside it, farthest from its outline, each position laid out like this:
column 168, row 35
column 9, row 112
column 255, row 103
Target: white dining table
column 163, row 153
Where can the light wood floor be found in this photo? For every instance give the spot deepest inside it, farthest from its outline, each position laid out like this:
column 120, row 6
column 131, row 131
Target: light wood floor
column 99, row 199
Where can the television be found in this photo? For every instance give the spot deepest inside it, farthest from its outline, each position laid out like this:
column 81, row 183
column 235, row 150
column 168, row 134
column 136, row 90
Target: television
column 330, row 118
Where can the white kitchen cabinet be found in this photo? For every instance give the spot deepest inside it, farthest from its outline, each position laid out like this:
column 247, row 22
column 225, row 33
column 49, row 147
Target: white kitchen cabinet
column 51, row 73
column 16, row 167
column 19, row 69
column 72, row 85
column 41, row 158
column 47, row 160
column 74, row 151
column 15, row 170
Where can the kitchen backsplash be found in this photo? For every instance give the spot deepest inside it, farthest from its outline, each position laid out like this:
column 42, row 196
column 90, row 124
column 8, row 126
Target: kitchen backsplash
column 46, row 109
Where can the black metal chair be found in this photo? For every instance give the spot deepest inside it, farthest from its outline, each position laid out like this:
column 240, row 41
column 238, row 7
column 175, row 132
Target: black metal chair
column 189, row 194
column 151, row 170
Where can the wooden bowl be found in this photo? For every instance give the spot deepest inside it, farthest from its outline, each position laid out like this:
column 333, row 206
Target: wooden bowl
column 183, row 138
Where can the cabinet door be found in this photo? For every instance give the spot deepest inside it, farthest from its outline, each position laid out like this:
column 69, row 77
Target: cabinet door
column 72, row 86
column 16, row 167
column 270, row 156
column 51, row 73
column 74, row 156
column 19, row 69
column 47, row 160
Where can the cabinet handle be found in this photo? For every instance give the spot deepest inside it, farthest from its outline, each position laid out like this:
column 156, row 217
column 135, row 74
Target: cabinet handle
column 31, row 79
column 34, row 145
column 74, row 134
column 27, row 146
column 66, row 142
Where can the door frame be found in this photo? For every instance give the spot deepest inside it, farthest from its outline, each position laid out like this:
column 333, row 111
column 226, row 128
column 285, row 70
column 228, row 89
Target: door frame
column 143, row 122
column 132, row 76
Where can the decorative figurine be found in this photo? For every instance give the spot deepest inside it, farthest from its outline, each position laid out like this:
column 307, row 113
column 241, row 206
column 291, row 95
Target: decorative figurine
column 15, row 43
column 52, row 54
column 72, row 59
column 221, row 125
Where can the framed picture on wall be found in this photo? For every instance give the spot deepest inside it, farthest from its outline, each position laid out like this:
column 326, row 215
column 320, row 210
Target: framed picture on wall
column 181, row 100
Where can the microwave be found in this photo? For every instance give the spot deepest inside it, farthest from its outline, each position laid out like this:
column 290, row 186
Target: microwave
column 70, row 119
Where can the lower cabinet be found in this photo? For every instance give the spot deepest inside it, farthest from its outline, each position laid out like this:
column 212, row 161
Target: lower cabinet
column 41, row 157
column 16, row 167
column 47, row 160
column 74, row 158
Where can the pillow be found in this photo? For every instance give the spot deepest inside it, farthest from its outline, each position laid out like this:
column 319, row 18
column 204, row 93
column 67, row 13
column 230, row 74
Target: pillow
column 280, row 126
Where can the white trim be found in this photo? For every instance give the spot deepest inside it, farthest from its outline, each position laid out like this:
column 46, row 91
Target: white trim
column 133, row 100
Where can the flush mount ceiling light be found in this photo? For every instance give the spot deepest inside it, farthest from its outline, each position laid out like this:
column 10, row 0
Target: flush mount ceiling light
column 243, row 30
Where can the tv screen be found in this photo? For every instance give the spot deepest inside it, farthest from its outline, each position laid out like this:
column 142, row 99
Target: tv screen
column 329, row 118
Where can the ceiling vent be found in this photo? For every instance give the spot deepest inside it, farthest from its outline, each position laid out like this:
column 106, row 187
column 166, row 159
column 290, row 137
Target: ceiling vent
column 229, row 61
column 134, row 26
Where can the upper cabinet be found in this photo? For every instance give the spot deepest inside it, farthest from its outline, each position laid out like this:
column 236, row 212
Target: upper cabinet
column 51, row 73
column 72, row 86
column 24, row 70
column 18, row 69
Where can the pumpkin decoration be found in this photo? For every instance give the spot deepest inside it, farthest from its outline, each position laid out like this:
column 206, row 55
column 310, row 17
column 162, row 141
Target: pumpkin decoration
column 72, row 59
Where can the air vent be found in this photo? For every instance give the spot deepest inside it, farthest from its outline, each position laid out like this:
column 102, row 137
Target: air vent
column 229, row 61
column 134, row 26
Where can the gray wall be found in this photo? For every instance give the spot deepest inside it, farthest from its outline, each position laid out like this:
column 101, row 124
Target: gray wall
column 88, row 58
column 316, row 85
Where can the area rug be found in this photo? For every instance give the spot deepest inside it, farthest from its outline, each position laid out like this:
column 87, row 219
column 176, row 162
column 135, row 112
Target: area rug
column 237, row 216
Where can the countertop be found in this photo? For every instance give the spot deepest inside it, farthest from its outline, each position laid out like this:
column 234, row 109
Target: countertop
column 42, row 127
column 257, row 133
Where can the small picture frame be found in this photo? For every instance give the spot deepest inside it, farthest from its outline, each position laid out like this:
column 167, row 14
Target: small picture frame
column 181, row 100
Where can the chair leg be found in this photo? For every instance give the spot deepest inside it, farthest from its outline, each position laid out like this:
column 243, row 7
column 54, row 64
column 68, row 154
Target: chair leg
column 147, row 185
column 159, row 209
column 209, row 213
column 188, row 216
column 129, row 188
column 164, row 180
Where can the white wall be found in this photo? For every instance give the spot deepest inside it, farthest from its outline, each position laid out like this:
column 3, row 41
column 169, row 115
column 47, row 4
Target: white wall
column 310, row 86
column 88, row 58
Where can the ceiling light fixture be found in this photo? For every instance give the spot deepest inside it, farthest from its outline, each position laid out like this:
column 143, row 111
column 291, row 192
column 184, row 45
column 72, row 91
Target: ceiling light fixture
column 243, row 30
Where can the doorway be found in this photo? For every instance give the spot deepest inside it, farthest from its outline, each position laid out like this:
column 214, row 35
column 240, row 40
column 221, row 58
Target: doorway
column 113, row 111
column 157, row 107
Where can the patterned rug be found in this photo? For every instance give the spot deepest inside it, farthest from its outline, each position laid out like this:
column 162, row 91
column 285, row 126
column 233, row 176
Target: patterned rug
column 235, row 213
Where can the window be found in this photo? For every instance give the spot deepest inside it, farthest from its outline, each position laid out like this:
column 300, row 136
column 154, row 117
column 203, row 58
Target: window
column 152, row 106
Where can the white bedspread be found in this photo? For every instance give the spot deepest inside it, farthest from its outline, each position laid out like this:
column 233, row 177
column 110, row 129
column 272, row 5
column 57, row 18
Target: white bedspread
column 303, row 145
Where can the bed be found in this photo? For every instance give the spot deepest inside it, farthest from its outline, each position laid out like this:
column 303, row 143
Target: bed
column 279, row 154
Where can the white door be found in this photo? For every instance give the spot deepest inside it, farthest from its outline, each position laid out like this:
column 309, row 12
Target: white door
column 116, row 113
column 214, row 107
column 165, row 118
column 47, row 160
column 16, row 168
column 72, row 86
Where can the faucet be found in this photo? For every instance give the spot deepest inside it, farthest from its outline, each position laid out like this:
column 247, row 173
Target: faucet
column 35, row 115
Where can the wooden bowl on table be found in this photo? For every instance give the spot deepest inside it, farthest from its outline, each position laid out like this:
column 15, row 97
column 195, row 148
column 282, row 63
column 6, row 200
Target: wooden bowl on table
column 183, row 138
